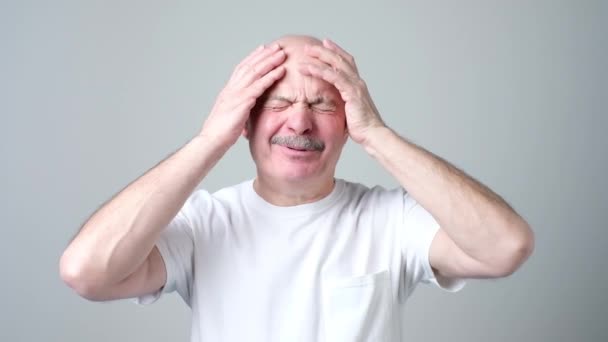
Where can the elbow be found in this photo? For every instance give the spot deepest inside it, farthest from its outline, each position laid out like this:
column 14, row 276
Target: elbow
column 74, row 275
column 516, row 252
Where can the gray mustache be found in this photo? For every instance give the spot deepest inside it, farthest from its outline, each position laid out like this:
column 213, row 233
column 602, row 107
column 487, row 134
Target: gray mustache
column 300, row 142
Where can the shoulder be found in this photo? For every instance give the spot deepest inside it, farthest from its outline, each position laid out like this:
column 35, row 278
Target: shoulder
column 377, row 195
column 205, row 210
column 201, row 200
column 234, row 193
column 226, row 194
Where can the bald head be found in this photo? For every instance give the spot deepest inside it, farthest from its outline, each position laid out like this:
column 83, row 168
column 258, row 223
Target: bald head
column 294, row 85
column 293, row 45
column 294, row 39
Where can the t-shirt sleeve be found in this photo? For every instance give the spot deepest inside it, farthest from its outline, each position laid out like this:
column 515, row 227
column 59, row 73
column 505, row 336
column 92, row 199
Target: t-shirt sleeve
column 419, row 229
column 176, row 246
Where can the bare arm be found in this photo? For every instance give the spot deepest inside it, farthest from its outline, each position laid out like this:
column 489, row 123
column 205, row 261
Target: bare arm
column 113, row 255
column 118, row 238
column 480, row 235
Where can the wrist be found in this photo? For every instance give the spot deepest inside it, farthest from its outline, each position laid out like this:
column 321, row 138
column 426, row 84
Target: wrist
column 375, row 137
column 210, row 144
column 215, row 141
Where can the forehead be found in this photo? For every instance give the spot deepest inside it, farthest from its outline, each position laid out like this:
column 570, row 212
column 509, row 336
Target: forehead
column 294, row 83
column 301, row 88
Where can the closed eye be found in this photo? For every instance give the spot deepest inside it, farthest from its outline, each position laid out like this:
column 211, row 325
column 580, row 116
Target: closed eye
column 277, row 105
column 324, row 109
column 276, row 108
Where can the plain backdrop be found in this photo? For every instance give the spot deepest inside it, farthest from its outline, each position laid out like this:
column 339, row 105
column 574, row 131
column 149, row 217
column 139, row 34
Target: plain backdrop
column 94, row 93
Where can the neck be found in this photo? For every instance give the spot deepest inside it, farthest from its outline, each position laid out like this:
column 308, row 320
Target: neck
column 289, row 193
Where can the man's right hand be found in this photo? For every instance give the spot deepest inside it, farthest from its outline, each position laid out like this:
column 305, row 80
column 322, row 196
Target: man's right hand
column 250, row 79
column 114, row 255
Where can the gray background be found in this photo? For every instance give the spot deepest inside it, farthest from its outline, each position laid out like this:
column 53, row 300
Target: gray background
column 93, row 94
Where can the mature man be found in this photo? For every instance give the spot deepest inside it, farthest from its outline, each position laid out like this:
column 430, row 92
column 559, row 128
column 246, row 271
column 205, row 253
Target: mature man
column 295, row 254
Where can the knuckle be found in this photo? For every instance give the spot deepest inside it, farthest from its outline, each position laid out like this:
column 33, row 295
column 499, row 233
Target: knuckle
column 250, row 101
column 250, row 93
column 247, row 68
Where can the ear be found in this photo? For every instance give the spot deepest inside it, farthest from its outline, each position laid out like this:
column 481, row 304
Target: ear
column 245, row 132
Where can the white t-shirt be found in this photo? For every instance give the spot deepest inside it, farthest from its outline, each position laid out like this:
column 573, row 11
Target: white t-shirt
column 339, row 269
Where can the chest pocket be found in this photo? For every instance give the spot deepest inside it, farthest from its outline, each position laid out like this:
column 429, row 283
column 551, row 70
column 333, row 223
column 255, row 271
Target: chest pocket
column 358, row 309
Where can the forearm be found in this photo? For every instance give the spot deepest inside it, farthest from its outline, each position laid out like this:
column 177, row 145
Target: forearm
column 120, row 235
column 479, row 221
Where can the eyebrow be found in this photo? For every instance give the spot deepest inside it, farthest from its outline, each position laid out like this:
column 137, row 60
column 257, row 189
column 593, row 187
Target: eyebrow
column 315, row 101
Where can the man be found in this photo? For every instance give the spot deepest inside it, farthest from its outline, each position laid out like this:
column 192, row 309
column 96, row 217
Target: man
column 295, row 254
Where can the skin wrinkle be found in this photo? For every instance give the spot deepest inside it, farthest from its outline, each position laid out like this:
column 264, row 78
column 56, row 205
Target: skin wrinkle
column 317, row 100
column 480, row 235
column 285, row 177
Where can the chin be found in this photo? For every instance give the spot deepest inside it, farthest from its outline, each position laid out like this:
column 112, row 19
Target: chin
column 297, row 175
column 297, row 171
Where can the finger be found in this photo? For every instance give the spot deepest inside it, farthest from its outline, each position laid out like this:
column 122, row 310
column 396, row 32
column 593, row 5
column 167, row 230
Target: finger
column 271, row 49
column 330, row 44
column 331, row 58
column 260, row 53
column 333, row 76
column 253, row 53
column 245, row 60
column 260, row 69
column 262, row 84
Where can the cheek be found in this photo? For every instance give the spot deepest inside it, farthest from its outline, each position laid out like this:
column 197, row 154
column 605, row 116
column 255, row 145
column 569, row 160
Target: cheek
column 333, row 132
column 335, row 123
column 265, row 124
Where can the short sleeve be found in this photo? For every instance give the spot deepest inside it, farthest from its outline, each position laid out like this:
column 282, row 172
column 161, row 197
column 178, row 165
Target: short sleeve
column 176, row 246
column 419, row 230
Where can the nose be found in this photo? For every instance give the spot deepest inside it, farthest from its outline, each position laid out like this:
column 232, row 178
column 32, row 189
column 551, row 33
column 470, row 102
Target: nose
column 300, row 120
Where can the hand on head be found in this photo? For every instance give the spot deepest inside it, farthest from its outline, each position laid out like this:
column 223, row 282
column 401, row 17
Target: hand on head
column 250, row 79
column 339, row 69
column 266, row 65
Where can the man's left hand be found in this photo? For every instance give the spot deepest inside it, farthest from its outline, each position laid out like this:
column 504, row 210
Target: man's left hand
column 340, row 70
